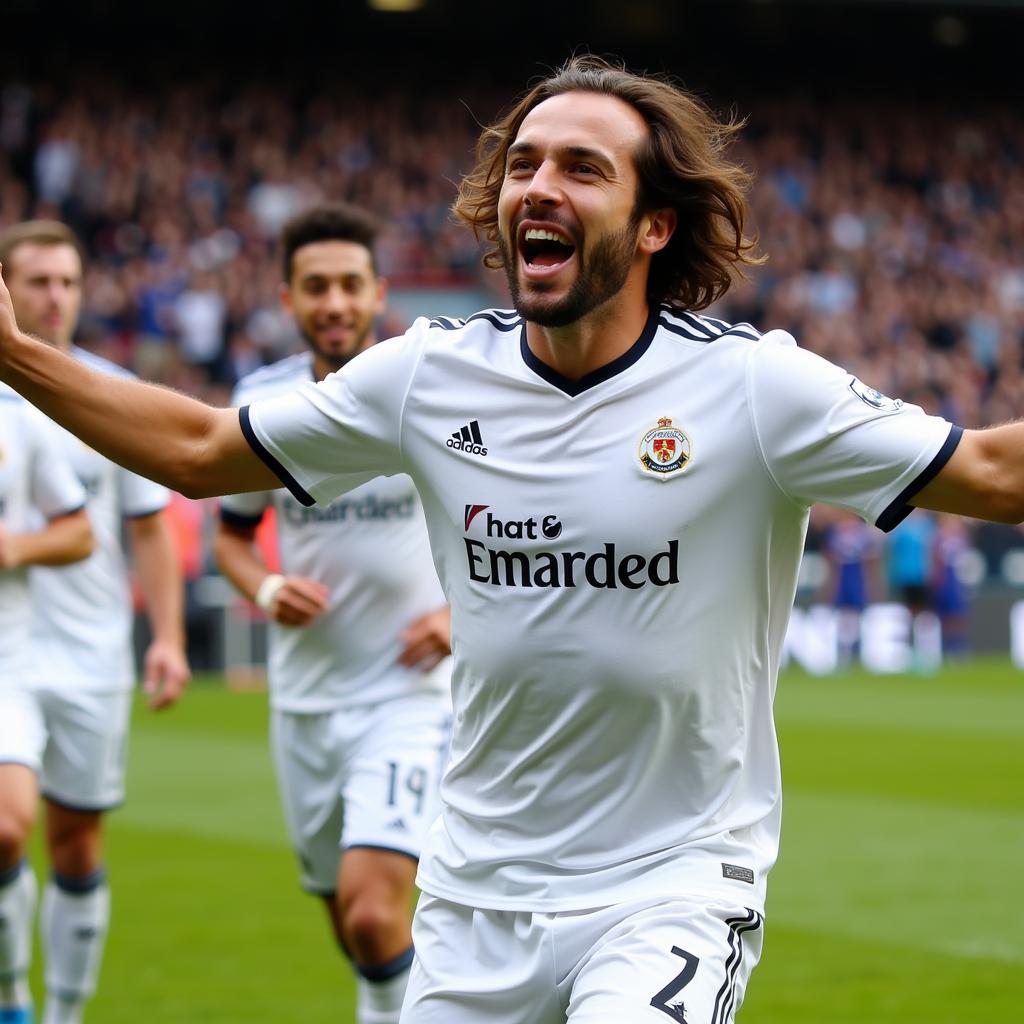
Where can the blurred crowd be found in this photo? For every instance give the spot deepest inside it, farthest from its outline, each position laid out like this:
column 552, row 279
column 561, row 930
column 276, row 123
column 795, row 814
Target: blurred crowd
column 894, row 236
column 894, row 233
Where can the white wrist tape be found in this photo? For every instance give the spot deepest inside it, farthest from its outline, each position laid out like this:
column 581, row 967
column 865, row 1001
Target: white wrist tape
column 268, row 591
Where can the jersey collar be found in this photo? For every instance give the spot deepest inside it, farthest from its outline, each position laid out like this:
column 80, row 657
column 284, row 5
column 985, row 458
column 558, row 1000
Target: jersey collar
column 598, row 376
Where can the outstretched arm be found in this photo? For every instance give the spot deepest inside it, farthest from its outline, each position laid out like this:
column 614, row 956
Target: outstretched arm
column 158, row 433
column 983, row 479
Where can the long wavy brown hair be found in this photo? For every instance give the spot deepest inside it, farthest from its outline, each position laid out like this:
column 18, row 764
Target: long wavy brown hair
column 682, row 165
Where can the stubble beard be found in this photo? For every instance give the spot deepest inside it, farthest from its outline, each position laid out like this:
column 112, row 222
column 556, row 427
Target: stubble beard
column 336, row 360
column 601, row 276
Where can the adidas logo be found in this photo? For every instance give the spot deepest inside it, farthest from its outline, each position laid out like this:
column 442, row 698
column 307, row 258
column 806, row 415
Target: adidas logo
column 399, row 824
column 468, row 439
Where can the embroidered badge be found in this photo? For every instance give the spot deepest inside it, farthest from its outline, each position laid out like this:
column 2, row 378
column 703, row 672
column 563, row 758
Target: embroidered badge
column 869, row 396
column 665, row 450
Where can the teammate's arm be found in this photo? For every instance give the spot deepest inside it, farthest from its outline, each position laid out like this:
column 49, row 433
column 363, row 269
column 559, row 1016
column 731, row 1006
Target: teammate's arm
column 983, row 479
column 158, row 433
column 165, row 667
column 288, row 600
column 64, row 539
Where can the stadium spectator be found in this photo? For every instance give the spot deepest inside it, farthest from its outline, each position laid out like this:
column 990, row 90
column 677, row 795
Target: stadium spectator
column 37, row 485
column 360, row 635
column 949, row 592
column 909, row 562
column 82, row 665
column 852, row 553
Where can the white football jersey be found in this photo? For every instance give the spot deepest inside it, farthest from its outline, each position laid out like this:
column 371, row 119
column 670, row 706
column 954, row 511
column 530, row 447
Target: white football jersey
column 82, row 614
column 371, row 549
column 36, row 484
column 620, row 554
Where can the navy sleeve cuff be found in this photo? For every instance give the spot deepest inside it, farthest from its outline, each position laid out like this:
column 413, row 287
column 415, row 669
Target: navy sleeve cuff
column 282, row 474
column 240, row 519
column 900, row 508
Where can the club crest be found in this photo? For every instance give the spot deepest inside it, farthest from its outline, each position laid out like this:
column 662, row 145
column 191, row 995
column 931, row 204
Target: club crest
column 665, row 450
column 869, row 396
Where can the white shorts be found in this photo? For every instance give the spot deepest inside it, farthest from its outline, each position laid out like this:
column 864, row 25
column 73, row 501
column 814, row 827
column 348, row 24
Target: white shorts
column 76, row 742
column 684, row 959
column 359, row 777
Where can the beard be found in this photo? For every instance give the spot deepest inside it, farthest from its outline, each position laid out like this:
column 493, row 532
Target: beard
column 601, row 275
column 333, row 358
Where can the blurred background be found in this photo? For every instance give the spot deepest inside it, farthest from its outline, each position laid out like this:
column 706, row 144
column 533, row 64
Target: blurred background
column 886, row 137
column 887, row 140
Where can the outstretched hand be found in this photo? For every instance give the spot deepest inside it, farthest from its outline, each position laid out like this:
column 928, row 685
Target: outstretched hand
column 428, row 641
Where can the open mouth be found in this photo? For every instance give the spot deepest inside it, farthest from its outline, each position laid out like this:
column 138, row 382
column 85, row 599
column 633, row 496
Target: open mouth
column 545, row 247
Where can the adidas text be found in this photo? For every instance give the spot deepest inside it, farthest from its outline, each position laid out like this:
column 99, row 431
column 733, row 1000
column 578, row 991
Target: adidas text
column 462, row 446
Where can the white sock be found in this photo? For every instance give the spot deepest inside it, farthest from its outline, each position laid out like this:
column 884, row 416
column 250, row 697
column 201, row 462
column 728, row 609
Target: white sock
column 17, row 912
column 74, row 923
column 380, row 990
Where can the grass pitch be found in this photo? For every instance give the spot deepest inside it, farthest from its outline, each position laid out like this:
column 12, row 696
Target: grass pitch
column 895, row 901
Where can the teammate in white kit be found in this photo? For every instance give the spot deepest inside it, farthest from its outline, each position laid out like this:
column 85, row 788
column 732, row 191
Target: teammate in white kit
column 616, row 490
column 360, row 706
column 42, row 522
column 82, row 663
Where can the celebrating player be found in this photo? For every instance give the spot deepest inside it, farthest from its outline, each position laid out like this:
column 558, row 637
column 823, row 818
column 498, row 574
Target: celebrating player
column 82, row 664
column 616, row 489
column 358, row 630
column 36, row 485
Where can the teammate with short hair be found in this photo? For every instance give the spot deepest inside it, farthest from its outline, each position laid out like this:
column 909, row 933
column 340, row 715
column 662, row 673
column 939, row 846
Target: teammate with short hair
column 42, row 522
column 360, row 635
column 82, row 662
column 616, row 488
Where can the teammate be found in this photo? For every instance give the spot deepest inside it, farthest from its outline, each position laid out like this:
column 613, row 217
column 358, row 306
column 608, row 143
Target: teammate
column 82, row 663
column 616, row 489
column 35, row 482
column 358, row 630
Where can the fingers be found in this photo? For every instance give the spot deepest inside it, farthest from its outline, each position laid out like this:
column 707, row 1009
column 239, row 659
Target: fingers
column 166, row 676
column 299, row 601
column 427, row 641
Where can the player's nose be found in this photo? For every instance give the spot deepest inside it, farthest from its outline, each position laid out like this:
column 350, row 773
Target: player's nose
column 544, row 187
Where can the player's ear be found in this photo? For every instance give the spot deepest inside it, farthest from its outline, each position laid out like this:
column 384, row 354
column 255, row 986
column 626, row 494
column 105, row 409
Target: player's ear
column 382, row 294
column 656, row 229
column 284, row 294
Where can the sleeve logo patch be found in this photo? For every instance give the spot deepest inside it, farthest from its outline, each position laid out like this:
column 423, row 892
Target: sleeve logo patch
column 664, row 451
column 869, row 396
column 738, row 873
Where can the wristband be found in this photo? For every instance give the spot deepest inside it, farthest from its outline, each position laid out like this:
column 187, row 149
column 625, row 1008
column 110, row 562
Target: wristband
column 268, row 591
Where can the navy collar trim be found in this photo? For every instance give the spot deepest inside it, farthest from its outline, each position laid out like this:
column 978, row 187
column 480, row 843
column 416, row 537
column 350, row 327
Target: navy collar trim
column 598, row 376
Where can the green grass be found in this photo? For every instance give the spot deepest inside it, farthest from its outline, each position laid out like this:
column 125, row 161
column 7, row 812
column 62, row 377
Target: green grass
column 895, row 900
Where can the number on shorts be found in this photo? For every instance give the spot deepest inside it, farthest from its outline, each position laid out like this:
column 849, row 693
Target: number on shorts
column 677, row 1010
column 415, row 783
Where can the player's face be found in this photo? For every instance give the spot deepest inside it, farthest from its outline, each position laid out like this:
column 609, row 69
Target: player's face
column 45, row 282
column 570, row 174
column 334, row 296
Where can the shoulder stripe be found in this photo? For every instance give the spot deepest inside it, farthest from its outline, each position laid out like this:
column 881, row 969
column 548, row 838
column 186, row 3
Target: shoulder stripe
column 447, row 323
column 497, row 318
column 501, row 325
column 750, row 335
column 706, row 328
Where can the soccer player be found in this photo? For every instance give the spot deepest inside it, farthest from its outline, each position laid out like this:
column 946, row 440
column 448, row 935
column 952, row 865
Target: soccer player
column 616, row 489
column 360, row 708
column 37, row 486
column 83, row 671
